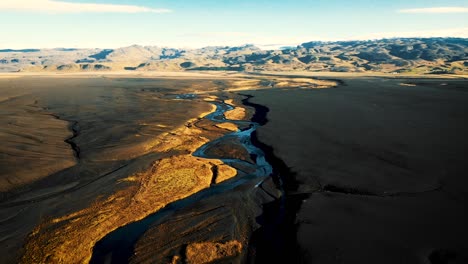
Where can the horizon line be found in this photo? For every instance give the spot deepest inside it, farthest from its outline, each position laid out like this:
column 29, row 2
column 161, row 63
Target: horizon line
column 234, row 45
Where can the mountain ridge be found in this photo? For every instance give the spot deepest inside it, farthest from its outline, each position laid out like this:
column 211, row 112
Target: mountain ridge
column 397, row 55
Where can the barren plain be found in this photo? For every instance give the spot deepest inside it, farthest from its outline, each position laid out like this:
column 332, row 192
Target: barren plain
column 159, row 168
column 380, row 169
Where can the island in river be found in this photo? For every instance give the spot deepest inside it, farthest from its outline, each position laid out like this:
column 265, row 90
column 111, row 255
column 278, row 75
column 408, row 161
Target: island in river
column 233, row 168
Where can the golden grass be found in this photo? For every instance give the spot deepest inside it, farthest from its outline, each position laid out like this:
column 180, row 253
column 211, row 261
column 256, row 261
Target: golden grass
column 70, row 239
column 237, row 113
column 229, row 101
column 227, row 126
column 179, row 138
column 208, row 252
column 303, row 83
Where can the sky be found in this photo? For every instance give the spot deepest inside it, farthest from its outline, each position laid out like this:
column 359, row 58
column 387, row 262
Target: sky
column 192, row 24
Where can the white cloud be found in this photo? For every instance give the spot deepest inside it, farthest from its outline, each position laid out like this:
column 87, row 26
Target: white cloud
column 435, row 10
column 52, row 6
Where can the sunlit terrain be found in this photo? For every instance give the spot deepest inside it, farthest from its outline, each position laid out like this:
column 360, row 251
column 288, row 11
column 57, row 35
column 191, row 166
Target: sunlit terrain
column 234, row 131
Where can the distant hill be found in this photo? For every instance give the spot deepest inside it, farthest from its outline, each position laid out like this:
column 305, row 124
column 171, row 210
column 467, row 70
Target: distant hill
column 409, row 55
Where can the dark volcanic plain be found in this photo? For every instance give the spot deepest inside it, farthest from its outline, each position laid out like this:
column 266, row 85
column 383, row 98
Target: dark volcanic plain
column 381, row 166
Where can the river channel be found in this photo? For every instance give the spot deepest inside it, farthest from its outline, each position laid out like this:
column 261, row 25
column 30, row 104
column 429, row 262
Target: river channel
column 118, row 246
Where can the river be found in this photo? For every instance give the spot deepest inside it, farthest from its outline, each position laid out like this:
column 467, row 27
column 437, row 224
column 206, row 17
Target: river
column 118, row 246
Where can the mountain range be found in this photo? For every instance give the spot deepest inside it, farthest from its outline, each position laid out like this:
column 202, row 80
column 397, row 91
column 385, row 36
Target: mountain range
column 399, row 55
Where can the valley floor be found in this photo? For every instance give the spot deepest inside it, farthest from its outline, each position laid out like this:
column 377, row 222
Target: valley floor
column 373, row 167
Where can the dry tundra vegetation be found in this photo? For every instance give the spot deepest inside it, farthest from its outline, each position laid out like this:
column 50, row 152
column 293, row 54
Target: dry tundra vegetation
column 133, row 156
column 71, row 238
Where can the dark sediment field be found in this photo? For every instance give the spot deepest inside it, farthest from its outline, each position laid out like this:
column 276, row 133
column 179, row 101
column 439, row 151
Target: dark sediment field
column 275, row 239
column 381, row 169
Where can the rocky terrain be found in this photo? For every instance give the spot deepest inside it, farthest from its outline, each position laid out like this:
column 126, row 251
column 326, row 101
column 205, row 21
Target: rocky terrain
column 411, row 56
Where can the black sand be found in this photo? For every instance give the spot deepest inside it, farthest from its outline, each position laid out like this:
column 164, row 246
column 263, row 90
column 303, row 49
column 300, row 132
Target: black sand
column 383, row 167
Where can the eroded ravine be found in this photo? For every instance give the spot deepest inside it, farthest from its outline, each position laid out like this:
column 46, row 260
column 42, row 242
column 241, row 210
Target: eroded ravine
column 117, row 247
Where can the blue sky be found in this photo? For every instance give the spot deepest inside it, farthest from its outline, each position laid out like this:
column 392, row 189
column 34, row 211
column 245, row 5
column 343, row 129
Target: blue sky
column 179, row 23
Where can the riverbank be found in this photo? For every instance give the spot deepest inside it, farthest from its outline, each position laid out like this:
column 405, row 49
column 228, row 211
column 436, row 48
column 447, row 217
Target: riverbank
column 118, row 123
column 167, row 180
column 109, row 124
column 229, row 233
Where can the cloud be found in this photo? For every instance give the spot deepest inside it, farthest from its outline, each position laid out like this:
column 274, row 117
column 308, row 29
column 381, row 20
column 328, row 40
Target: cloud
column 435, row 10
column 52, row 6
